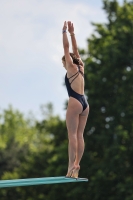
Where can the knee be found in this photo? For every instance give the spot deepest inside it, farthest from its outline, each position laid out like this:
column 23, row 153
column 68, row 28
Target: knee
column 72, row 136
column 80, row 136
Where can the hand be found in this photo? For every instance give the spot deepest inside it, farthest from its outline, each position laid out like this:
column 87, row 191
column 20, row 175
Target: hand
column 65, row 26
column 70, row 27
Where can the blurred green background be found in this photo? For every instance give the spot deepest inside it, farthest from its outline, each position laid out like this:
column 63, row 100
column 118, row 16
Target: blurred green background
column 38, row 148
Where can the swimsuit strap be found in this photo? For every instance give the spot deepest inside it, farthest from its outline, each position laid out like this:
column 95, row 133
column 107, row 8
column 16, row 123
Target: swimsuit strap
column 80, row 71
column 74, row 78
column 73, row 75
column 76, row 75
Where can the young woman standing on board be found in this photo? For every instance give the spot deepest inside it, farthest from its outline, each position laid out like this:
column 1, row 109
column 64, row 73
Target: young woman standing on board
column 78, row 107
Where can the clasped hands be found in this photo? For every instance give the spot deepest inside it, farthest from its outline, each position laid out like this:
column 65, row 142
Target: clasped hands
column 70, row 26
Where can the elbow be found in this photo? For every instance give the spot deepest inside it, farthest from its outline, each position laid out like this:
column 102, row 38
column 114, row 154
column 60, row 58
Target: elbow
column 75, row 48
column 66, row 46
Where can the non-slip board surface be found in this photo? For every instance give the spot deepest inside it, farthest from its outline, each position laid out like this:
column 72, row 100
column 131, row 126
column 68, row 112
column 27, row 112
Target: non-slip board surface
column 38, row 181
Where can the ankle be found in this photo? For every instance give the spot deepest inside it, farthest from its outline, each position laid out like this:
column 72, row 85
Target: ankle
column 76, row 165
column 71, row 166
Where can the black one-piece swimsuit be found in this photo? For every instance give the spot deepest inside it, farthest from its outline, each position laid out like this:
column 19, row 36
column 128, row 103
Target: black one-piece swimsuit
column 72, row 93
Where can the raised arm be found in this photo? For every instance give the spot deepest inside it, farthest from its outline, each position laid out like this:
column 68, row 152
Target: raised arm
column 66, row 45
column 73, row 39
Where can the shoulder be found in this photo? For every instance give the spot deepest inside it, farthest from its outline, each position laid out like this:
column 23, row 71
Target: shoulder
column 71, row 68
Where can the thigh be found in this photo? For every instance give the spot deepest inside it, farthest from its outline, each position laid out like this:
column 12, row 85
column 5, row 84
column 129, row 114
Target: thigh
column 82, row 122
column 72, row 116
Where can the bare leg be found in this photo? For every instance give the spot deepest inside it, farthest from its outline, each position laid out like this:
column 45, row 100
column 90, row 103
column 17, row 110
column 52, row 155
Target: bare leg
column 80, row 140
column 72, row 121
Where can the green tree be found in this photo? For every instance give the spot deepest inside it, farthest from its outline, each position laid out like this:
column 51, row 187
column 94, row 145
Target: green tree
column 109, row 86
column 107, row 160
column 46, row 149
column 13, row 140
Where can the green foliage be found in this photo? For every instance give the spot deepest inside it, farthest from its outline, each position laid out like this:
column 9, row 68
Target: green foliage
column 33, row 148
column 109, row 68
column 36, row 154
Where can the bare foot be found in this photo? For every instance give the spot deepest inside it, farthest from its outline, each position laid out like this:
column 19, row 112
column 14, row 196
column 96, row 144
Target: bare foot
column 70, row 171
column 75, row 171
